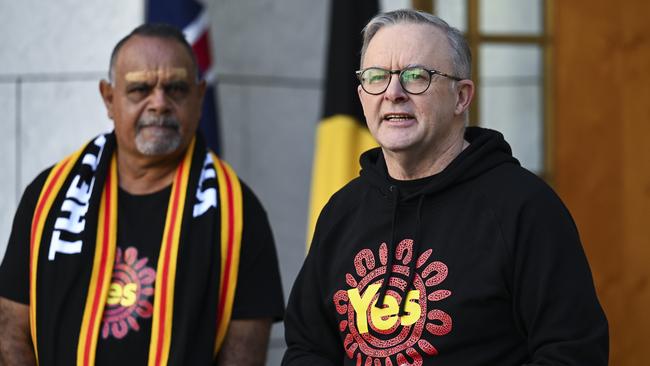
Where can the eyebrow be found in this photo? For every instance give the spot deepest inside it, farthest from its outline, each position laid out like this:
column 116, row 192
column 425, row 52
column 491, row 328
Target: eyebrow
column 388, row 68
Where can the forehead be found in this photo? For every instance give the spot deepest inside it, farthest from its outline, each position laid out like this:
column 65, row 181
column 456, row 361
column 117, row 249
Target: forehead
column 402, row 44
column 150, row 75
column 146, row 56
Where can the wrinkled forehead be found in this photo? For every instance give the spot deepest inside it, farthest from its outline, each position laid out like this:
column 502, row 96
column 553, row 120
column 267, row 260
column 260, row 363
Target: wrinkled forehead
column 152, row 76
column 405, row 44
column 151, row 58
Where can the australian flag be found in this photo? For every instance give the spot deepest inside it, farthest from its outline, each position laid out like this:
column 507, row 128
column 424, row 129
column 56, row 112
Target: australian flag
column 193, row 19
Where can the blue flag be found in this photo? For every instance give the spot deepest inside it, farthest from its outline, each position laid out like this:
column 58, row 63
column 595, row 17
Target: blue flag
column 191, row 17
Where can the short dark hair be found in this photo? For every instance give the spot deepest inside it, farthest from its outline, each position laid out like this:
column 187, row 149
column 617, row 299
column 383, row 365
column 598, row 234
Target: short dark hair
column 154, row 30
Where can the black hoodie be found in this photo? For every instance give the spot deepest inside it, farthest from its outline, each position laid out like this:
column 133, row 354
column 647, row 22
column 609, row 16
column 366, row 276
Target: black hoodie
column 485, row 254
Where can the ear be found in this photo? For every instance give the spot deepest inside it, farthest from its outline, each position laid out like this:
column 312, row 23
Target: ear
column 360, row 93
column 362, row 98
column 106, row 90
column 201, row 87
column 464, row 95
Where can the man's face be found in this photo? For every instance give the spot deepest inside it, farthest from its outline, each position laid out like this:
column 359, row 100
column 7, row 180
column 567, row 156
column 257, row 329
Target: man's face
column 155, row 100
column 402, row 122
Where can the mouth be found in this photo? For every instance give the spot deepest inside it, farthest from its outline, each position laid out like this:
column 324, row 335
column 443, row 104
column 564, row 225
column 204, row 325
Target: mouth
column 158, row 123
column 158, row 126
column 398, row 117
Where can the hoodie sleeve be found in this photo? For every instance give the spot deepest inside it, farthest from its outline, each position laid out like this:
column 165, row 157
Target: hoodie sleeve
column 309, row 333
column 554, row 296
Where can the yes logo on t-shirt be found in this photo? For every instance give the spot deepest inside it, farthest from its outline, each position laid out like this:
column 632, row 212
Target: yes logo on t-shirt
column 379, row 336
column 129, row 296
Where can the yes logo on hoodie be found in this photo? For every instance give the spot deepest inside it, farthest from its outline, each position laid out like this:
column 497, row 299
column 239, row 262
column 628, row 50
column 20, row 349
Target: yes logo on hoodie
column 394, row 332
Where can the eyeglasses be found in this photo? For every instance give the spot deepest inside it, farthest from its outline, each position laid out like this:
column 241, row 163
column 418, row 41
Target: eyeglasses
column 414, row 80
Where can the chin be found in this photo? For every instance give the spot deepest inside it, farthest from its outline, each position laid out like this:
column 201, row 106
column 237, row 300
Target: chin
column 396, row 145
column 156, row 148
column 396, row 148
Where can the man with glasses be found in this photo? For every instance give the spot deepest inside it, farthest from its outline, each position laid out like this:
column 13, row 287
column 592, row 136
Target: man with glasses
column 444, row 251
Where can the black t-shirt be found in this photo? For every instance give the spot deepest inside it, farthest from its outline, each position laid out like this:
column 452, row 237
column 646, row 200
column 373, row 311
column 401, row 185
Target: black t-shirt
column 126, row 325
column 406, row 187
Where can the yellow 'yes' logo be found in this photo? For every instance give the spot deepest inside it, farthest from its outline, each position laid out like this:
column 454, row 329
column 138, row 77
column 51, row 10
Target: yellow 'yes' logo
column 123, row 295
column 386, row 317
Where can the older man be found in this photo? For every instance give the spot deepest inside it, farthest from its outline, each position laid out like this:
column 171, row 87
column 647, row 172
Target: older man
column 143, row 247
column 444, row 251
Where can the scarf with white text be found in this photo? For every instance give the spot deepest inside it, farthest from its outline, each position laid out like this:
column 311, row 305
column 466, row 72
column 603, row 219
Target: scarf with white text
column 73, row 246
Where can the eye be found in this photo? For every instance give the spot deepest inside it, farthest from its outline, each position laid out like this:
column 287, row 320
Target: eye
column 414, row 75
column 374, row 76
column 138, row 91
column 177, row 89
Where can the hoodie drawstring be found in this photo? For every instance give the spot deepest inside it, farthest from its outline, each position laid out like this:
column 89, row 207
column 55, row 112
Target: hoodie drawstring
column 391, row 251
column 391, row 248
column 415, row 254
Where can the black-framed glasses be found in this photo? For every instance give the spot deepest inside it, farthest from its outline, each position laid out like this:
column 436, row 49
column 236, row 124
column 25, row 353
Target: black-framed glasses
column 414, row 80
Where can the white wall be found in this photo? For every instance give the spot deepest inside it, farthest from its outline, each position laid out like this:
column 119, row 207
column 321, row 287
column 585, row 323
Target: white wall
column 52, row 55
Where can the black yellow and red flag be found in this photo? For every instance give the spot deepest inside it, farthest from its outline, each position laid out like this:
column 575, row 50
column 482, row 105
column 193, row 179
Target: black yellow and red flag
column 341, row 135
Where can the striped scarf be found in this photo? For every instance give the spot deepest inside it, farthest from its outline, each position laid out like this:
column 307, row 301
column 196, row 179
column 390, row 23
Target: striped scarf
column 73, row 246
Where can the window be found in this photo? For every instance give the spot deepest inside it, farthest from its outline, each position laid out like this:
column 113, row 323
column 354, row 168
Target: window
column 509, row 45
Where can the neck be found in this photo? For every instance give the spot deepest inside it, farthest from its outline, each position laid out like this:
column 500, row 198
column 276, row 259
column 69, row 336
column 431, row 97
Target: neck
column 143, row 174
column 409, row 165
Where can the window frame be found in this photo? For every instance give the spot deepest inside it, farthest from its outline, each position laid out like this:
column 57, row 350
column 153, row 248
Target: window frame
column 476, row 39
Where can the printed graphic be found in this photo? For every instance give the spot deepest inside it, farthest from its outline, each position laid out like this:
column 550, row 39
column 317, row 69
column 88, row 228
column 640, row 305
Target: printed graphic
column 378, row 336
column 129, row 296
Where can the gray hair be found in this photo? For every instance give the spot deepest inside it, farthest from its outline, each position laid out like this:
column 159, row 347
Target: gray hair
column 460, row 52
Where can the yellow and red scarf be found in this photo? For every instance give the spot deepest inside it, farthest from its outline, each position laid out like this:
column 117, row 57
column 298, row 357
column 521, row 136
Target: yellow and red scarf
column 87, row 182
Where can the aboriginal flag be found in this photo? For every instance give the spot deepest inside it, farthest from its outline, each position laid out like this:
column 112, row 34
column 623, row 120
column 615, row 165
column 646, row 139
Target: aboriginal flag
column 192, row 18
column 341, row 135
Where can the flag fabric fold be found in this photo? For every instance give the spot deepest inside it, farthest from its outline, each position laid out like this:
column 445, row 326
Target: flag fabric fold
column 341, row 135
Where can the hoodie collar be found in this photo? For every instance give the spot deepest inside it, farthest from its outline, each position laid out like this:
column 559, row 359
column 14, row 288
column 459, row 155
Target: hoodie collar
column 487, row 149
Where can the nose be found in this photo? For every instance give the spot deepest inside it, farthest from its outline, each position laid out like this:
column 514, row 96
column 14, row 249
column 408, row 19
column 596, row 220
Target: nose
column 395, row 92
column 158, row 101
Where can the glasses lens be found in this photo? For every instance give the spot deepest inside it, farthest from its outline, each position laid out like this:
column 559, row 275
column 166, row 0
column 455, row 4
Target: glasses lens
column 374, row 80
column 415, row 80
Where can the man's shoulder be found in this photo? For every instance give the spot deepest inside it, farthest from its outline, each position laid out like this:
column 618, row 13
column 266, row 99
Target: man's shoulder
column 512, row 179
column 39, row 181
column 513, row 187
column 342, row 204
column 36, row 185
column 252, row 205
column 348, row 197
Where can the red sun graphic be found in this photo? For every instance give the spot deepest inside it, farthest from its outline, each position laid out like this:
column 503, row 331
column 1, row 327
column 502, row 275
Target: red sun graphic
column 378, row 336
column 129, row 296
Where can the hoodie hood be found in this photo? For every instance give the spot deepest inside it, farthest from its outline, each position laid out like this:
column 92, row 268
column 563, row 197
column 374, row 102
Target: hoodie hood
column 487, row 150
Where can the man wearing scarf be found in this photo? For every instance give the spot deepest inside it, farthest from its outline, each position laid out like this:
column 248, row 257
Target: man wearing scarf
column 143, row 247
